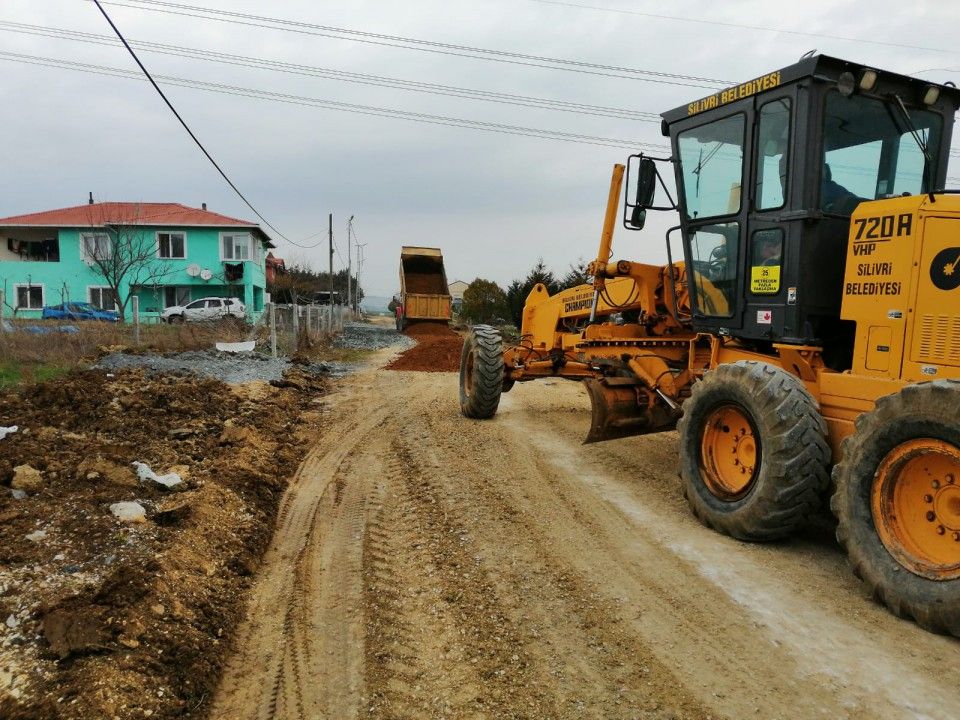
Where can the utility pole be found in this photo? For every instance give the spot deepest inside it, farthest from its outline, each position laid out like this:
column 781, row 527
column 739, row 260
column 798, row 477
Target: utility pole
column 356, row 297
column 331, row 273
column 349, row 264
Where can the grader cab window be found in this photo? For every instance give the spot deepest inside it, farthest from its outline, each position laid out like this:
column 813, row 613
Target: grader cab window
column 713, row 251
column 711, row 158
column 766, row 259
column 773, row 136
column 869, row 152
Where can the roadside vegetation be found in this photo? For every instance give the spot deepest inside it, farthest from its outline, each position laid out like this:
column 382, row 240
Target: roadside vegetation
column 28, row 356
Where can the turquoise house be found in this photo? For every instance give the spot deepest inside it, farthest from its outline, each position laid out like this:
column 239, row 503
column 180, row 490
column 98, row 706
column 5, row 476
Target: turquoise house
column 163, row 253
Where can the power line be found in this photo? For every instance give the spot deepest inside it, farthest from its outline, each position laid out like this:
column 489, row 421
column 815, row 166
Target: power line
column 721, row 23
column 334, row 105
column 332, row 74
column 467, row 51
column 183, row 122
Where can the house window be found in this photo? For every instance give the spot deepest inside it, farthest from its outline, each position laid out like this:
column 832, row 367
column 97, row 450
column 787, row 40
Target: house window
column 94, row 246
column 236, row 246
column 172, row 245
column 175, row 296
column 103, row 298
column 29, row 297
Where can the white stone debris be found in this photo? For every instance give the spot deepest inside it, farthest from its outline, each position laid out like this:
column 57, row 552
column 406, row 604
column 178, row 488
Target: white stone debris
column 131, row 512
column 4, row 431
column 145, row 473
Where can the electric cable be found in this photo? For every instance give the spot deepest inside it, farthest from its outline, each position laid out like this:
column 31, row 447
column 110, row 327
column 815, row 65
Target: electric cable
column 184, row 123
column 721, row 23
column 333, row 74
column 467, row 51
column 340, row 106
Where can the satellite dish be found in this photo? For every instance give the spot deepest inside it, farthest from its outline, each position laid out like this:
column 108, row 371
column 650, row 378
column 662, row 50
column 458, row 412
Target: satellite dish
column 193, row 270
column 205, row 274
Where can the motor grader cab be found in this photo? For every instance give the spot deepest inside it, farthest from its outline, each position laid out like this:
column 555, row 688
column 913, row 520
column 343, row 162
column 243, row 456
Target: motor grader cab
column 768, row 175
column 811, row 324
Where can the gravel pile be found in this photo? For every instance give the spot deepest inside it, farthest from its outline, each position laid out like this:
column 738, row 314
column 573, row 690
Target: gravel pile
column 361, row 336
column 231, row 368
column 237, row 368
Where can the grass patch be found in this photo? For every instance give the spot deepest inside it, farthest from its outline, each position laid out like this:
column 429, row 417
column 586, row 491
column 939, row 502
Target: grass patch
column 16, row 373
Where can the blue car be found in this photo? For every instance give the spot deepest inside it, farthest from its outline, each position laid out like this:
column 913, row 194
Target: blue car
column 78, row 311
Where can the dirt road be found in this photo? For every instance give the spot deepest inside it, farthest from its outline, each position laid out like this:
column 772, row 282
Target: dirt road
column 428, row 566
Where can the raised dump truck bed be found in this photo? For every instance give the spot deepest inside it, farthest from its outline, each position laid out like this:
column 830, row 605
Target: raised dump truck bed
column 424, row 295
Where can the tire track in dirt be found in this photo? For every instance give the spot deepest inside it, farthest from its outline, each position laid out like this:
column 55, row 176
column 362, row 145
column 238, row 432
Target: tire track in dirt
column 439, row 642
column 585, row 654
column 299, row 610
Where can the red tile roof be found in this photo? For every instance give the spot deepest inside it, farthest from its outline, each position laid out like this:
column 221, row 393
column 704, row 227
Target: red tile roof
column 127, row 213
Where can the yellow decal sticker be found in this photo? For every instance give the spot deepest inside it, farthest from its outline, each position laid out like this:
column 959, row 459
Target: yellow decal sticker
column 751, row 87
column 765, row 279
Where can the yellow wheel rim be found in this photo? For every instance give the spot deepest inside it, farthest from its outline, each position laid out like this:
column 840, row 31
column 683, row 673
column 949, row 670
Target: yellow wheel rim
column 915, row 500
column 729, row 453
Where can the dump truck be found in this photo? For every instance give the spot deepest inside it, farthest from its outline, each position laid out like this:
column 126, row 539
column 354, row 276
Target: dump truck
column 424, row 295
column 804, row 342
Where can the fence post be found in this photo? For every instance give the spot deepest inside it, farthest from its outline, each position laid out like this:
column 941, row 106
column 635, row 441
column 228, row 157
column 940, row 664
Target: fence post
column 2, row 300
column 295, row 312
column 273, row 329
column 136, row 319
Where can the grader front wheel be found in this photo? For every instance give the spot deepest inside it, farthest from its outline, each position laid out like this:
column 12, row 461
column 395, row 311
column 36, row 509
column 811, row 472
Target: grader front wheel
column 753, row 451
column 481, row 372
column 897, row 503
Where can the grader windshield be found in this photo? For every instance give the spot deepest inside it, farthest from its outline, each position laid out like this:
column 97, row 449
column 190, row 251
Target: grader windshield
column 869, row 151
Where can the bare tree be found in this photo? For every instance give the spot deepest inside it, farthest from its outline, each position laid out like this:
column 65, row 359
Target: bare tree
column 120, row 250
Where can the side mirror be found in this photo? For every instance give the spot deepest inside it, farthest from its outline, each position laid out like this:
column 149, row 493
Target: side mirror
column 638, row 218
column 646, row 183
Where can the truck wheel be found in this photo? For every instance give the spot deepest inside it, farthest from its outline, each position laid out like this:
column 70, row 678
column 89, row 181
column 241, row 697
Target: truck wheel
column 897, row 503
column 481, row 372
column 754, row 456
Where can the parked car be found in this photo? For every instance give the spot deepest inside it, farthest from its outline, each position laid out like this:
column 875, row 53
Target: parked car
column 209, row 308
column 78, row 311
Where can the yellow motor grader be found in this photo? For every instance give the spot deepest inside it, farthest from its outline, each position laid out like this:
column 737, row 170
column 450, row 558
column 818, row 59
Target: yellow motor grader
column 811, row 327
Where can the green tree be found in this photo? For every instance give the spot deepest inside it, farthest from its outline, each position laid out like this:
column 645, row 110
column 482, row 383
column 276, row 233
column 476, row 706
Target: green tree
column 577, row 275
column 483, row 301
column 519, row 289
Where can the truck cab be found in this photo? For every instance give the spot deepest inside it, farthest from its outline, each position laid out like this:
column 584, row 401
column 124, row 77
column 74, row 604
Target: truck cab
column 768, row 174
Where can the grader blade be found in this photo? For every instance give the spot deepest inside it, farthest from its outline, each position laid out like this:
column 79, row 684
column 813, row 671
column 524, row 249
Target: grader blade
column 617, row 414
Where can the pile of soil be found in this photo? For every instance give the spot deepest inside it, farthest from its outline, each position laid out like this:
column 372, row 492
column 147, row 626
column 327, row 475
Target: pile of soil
column 438, row 349
column 101, row 617
column 427, row 283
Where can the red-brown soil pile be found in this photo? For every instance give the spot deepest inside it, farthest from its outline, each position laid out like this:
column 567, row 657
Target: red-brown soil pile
column 104, row 618
column 438, row 349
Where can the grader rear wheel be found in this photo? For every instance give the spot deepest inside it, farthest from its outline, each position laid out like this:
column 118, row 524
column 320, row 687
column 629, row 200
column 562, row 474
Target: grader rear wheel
column 898, row 503
column 481, row 372
column 753, row 451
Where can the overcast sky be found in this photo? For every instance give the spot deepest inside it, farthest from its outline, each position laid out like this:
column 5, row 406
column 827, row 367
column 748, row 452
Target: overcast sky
column 493, row 202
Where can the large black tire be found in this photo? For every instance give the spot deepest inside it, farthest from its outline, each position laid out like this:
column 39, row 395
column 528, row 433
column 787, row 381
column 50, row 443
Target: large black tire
column 921, row 412
column 792, row 456
column 481, row 372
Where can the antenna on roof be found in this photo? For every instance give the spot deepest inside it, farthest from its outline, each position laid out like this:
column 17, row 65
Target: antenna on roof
column 808, row 54
column 90, row 202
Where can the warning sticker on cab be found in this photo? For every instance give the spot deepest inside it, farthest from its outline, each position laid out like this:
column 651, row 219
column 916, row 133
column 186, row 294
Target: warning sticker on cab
column 765, row 279
column 764, row 317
